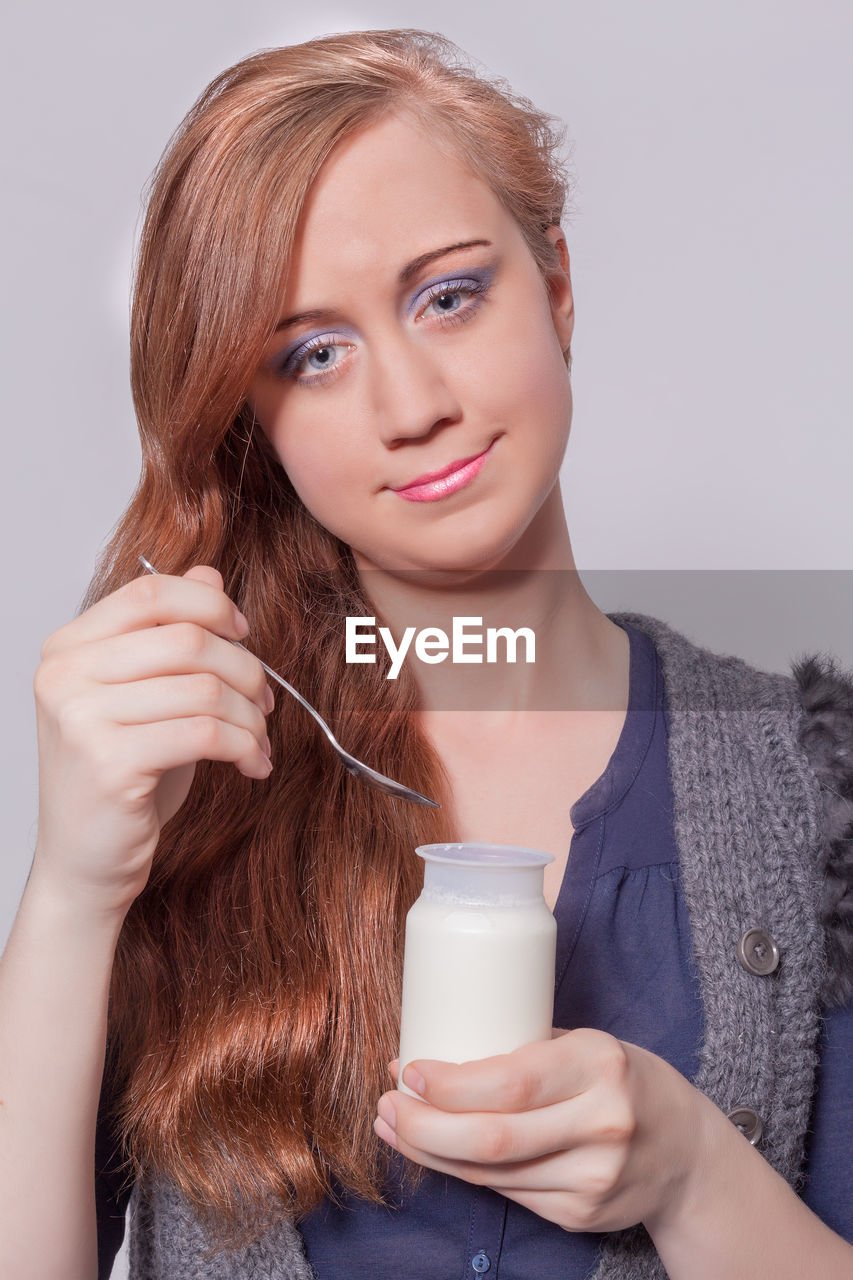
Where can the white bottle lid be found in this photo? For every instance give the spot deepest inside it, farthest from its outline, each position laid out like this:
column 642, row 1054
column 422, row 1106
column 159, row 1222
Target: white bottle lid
column 483, row 874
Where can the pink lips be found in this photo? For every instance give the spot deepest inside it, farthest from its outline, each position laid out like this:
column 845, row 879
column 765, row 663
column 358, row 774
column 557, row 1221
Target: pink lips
column 438, row 484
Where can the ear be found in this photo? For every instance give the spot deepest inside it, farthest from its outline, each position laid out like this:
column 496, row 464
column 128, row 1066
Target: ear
column 559, row 281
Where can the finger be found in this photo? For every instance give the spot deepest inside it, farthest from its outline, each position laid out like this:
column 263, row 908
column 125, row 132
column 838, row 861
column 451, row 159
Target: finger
column 572, row 1170
column 477, row 1174
column 536, row 1075
column 589, row 1171
column 177, row 697
column 151, row 600
column 206, row 573
column 528, row 1176
column 148, row 750
column 488, row 1137
column 569, row 1209
column 180, row 648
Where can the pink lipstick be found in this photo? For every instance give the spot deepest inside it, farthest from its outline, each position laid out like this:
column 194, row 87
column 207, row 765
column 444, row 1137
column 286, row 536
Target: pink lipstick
column 438, row 484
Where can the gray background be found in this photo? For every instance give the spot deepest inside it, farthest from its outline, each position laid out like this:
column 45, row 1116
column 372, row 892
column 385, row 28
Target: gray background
column 712, row 272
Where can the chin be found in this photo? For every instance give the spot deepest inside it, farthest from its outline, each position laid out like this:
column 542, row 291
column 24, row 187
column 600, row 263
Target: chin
column 451, row 557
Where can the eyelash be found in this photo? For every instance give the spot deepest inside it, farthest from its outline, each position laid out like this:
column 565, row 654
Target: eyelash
column 476, row 289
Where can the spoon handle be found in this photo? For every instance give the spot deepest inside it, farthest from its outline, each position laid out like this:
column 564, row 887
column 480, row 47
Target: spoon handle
column 356, row 767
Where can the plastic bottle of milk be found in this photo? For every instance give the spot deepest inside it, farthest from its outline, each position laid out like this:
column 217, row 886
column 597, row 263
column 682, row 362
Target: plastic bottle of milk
column 478, row 970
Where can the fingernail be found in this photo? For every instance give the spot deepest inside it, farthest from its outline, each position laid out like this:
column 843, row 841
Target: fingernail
column 270, row 700
column 241, row 623
column 380, row 1128
column 414, row 1080
column 385, row 1107
column 268, row 747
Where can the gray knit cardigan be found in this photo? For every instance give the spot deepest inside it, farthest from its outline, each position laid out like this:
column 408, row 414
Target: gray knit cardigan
column 762, row 775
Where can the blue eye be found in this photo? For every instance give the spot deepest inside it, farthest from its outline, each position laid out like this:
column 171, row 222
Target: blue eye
column 449, row 295
column 447, row 290
column 322, row 346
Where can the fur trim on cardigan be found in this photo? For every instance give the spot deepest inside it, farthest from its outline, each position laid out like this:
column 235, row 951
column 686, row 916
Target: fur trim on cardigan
column 826, row 733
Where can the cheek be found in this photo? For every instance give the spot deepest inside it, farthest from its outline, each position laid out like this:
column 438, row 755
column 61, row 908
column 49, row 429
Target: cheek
column 316, row 477
column 308, row 467
column 328, row 473
column 298, row 433
column 525, row 383
column 544, row 391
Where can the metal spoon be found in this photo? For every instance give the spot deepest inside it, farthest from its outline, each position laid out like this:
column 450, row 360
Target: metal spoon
column 356, row 767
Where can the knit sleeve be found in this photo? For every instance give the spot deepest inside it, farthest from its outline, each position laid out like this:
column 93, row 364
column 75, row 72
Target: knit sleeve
column 826, row 734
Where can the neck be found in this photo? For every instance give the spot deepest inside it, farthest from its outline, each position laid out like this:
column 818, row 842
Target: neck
column 581, row 658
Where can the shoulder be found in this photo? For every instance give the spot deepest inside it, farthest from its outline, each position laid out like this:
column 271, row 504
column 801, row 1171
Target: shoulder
column 699, row 678
column 815, row 725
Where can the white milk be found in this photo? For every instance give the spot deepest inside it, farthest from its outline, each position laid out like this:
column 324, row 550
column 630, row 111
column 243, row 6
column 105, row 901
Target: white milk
column 478, row 974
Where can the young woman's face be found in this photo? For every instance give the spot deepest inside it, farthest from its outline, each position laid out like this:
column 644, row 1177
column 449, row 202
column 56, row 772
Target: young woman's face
column 433, row 340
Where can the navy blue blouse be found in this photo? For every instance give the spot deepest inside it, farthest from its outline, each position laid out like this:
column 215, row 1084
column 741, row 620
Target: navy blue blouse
column 625, row 966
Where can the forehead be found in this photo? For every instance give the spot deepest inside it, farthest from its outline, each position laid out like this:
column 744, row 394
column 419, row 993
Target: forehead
column 383, row 197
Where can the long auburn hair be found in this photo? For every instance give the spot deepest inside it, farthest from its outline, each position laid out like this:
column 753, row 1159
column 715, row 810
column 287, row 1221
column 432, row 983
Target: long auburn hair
column 255, row 993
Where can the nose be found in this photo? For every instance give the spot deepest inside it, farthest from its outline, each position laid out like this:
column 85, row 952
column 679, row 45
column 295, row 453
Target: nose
column 410, row 390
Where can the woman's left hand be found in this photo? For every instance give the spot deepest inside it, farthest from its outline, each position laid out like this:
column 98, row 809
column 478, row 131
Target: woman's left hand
column 586, row 1130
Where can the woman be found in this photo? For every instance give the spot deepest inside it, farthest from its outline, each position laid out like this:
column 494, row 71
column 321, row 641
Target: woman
column 353, row 281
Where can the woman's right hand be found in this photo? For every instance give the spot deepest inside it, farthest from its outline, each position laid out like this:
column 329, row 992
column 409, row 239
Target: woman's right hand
column 130, row 695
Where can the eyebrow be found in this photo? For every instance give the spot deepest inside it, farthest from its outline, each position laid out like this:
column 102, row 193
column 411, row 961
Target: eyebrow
column 408, row 273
